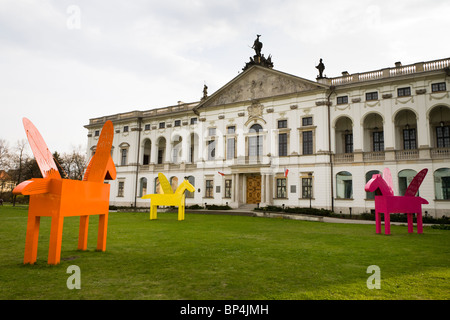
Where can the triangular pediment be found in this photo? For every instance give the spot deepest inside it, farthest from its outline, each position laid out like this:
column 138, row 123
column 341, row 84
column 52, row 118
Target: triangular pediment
column 258, row 83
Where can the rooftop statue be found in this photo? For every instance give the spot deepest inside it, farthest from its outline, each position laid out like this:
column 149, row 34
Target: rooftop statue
column 320, row 67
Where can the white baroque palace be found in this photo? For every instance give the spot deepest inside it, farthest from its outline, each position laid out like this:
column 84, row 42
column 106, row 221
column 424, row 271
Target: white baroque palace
column 272, row 138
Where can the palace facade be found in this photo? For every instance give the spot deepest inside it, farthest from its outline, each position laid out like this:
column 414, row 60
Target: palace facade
column 273, row 138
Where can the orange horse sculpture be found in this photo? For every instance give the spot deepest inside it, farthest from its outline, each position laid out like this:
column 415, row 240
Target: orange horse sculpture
column 387, row 203
column 52, row 196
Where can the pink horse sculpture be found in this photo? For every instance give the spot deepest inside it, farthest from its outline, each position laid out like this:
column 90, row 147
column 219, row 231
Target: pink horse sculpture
column 387, row 203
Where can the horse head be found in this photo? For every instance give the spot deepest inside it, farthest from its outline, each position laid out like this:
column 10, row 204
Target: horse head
column 378, row 185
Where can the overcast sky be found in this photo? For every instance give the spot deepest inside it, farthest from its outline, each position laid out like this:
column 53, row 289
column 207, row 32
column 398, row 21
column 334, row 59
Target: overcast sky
column 65, row 62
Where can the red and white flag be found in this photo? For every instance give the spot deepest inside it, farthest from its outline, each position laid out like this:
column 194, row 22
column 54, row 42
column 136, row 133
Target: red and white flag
column 286, row 172
column 221, row 173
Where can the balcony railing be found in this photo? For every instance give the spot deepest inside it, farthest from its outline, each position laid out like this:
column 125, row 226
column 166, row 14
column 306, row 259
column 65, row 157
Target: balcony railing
column 406, row 154
column 374, row 156
column 439, row 153
column 391, row 72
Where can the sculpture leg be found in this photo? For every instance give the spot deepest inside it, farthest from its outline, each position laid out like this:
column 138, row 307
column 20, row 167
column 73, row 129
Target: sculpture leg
column 56, row 229
column 31, row 241
column 387, row 223
column 102, row 230
column 419, row 222
column 180, row 213
column 153, row 212
column 410, row 223
column 377, row 222
column 83, row 233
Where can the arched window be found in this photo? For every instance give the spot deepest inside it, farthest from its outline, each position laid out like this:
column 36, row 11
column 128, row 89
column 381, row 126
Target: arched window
column 158, row 189
column 255, row 142
column 442, row 184
column 404, row 179
column 344, row 185
column 143, row 187
column 174, row 183
column 371, row 195
column 191, row 180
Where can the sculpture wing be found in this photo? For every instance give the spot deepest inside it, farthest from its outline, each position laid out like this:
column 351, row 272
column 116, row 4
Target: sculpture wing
column 388, row 178
column 42, row 154
column 165, row 185
column 33, row 186
column 101, row 161
column 415, row 183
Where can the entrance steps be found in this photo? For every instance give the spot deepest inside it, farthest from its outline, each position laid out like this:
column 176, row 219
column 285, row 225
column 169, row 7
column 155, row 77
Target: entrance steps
column 248, row 206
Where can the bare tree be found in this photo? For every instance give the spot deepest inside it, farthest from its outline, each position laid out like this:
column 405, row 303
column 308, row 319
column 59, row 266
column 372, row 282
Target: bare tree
column 5, row 157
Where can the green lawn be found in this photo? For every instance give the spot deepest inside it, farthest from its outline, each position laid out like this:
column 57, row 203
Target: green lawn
column 226, row 257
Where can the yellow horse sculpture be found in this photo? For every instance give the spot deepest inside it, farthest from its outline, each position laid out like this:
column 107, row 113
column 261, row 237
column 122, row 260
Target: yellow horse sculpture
column 169, row 198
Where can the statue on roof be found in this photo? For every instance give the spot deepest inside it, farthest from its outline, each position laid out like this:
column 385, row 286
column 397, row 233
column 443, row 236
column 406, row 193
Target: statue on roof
column 258, row 58
column 320, row 67
column 257, row 45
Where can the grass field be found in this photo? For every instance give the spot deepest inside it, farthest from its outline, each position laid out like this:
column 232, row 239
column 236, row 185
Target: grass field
column 225, row 257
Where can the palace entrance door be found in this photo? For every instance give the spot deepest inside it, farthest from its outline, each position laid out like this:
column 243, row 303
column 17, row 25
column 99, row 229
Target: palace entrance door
column 254, row 189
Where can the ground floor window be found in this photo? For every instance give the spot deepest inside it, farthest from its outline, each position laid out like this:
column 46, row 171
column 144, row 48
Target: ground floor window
column 307, row 188
column 191, row 180
column 228, row 184
column 209, row 189
column 281, row 188
column 344, row 185
column 121, row 188
column 442, row 184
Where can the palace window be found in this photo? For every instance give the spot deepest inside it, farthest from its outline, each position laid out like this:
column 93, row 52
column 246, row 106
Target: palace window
column 191, row 180
column 409, row 139
column 378, row 141
column 348, row 139
column 143, row 187
column 371, row 96
column 177, row 123
column 255, row 143
column 147, row 127
column 211, row 132
column 307, row 188
column 307, row 142
column 160, row 156
column 123, row 157
column 209, row 188
column 211, row 144
column 120, row 189
column 193, row 120
column 442, row 184
column 403, row 92
column 342, row 100
column 96, row 133
column 228, row 184
column 437, row 87
column 125, row 129
column 162, row 125
column 231, row 147
column 281, row 188
column 307, row 121
column 344, row 185
column 231, row 130
column 443, row 137
column 282, row 124
column 282, row 144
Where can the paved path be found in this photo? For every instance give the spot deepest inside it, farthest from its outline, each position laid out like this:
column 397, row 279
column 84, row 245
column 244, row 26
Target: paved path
column 282, row 215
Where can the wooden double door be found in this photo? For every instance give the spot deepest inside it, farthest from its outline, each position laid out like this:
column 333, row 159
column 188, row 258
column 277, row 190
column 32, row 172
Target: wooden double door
column 254, row 189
